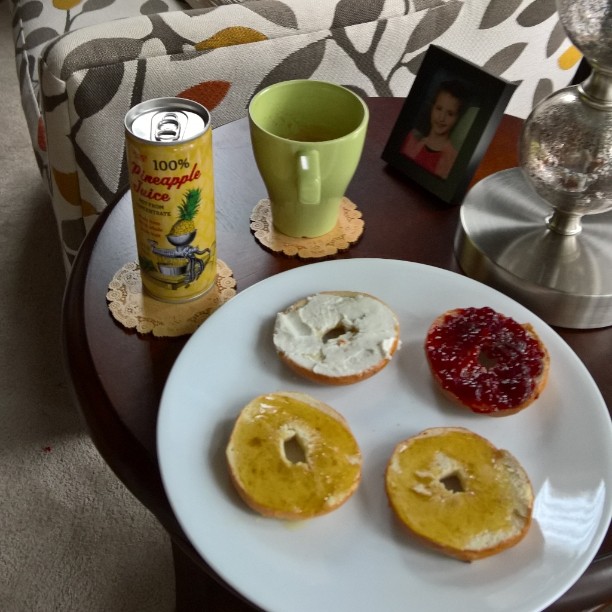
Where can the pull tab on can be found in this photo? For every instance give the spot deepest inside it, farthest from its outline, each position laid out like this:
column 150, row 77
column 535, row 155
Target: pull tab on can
column 180, row 122
column 168, row 126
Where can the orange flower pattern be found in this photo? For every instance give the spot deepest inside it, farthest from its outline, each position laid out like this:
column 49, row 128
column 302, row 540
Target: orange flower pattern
column 65, row 5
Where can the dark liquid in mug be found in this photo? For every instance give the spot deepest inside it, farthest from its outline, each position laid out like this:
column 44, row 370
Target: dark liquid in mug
column 312, row 134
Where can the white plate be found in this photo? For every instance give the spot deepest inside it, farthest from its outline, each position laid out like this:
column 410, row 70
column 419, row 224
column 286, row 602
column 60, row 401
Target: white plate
column 357, row 558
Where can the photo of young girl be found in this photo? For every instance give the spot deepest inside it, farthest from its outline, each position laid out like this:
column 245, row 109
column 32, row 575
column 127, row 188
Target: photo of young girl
column 432, row 148
column 446, row 123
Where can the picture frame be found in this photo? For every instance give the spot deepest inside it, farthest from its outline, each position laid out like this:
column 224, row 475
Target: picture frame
column 447, row 91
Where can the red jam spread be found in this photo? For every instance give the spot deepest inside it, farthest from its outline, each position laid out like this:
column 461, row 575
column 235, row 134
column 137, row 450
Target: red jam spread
column 485, row 359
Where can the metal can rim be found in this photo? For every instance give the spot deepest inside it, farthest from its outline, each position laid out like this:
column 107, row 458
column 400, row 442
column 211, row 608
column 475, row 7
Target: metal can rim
column 169, row 104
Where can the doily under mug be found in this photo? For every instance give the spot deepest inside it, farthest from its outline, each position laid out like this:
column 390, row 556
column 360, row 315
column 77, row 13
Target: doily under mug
column 347, row 232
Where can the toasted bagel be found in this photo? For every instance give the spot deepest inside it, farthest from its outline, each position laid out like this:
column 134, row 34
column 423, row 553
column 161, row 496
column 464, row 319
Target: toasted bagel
column 486, row 361
column 337, row 337
column 458, row 493
column 293, row 457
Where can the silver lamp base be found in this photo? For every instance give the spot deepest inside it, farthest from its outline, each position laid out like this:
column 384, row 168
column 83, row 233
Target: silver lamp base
column 502, row 240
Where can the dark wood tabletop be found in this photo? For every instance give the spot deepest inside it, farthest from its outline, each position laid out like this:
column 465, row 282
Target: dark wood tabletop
column 118, row 375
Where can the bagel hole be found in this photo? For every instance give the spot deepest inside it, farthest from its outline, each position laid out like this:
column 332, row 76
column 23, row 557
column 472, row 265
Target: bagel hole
column 294, row 450
column 485, row 360
column 453, row 483
column 337, row 331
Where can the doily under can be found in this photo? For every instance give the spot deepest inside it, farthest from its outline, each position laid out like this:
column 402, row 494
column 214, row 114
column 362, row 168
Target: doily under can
column 134, row 309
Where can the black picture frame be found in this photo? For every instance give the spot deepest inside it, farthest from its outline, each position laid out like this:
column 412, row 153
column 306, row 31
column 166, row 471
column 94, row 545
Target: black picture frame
column 485, row 98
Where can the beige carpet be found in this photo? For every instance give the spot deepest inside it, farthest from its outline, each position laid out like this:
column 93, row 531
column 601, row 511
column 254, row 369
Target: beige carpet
column 72, row 538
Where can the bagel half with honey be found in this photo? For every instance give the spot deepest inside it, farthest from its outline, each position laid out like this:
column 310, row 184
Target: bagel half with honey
column 458, row 493
column 487, row 361
column 291, row 456
column 337, row 337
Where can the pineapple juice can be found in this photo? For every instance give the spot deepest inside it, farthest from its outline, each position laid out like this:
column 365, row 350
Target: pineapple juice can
column 170, row 167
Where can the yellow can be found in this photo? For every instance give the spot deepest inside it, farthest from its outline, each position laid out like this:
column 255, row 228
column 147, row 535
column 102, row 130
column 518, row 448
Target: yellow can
column 170, row 166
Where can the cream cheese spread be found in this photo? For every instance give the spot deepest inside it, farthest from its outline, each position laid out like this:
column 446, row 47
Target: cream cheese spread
column 337, row 335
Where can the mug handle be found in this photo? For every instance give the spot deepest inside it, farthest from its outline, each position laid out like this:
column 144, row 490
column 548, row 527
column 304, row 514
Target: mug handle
column 309, row 177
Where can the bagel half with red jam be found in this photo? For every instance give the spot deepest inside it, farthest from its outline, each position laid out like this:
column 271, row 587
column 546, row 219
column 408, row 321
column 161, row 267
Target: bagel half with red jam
column 337, row 337
column 486, row 361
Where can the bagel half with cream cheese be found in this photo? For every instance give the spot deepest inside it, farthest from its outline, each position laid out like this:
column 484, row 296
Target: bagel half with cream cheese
column 291, row 456
column 337, row 337
column 458, row 493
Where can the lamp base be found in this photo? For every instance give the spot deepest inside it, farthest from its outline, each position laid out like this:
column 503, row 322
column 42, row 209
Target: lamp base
column 503, row 241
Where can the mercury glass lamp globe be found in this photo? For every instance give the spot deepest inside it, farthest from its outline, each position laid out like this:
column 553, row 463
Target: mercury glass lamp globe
column 566, row 143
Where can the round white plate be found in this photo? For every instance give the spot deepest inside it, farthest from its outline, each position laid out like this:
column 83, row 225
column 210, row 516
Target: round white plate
column 358, row 558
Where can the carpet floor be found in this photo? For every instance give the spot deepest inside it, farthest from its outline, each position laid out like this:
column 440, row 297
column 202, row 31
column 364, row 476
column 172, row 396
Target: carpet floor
column 72, row 538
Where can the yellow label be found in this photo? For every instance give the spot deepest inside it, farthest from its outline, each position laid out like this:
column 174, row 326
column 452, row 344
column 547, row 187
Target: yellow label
column 174, row 215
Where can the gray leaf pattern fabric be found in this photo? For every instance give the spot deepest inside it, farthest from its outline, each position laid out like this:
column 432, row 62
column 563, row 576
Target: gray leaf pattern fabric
column 96, row 5
column 83, row 63
column 556, row 40
column 537, row 12
column 120, row 50
column 544, row 88
column 31, row 10
column 434, row 24
column 503, row 59
column 39, row 37
column 301, row 64
column 112, row 75
column 153, row 7
column 497, row 12
column 275, row 10
column 367, row 11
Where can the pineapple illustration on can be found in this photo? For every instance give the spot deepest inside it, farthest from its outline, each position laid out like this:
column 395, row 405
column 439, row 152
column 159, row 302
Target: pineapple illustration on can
column 170, row 166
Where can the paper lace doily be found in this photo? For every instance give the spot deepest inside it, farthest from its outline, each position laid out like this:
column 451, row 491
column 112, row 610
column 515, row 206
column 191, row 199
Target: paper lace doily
column 348, row 230
column 134, row 309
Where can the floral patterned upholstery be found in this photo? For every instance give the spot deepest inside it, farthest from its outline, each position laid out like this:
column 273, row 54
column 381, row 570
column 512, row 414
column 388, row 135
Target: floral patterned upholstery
column 83, row 63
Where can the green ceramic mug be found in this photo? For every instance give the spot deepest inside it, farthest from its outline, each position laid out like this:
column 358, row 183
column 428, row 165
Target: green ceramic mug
column 307, row 139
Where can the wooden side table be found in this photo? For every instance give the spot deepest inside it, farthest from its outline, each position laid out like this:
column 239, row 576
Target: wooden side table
column 118, row 376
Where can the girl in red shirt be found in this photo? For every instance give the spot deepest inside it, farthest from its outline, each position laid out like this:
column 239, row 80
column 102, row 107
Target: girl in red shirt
column 435, row 152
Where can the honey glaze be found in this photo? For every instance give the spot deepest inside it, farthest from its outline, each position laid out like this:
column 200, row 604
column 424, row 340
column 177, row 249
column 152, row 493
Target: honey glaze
column 480, row 514
column 294, row 457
